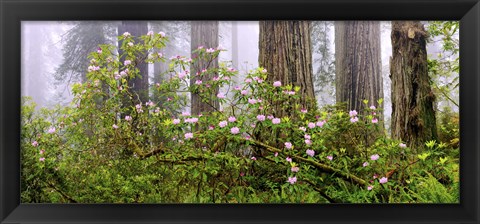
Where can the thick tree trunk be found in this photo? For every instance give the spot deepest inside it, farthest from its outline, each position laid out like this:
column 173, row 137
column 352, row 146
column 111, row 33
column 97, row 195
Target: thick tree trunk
column 413, row 115
column 139, row 84
column 203, row 33
column 358, row 65
column 286, row 53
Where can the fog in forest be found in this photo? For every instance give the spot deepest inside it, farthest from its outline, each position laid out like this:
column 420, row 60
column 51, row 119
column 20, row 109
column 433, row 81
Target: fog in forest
column 44, row 43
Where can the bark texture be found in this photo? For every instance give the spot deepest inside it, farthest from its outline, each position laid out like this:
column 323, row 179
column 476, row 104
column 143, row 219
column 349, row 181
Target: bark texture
column 413, row 115
column 285, row 51
column 203, row 33
column 358, row 64
column 139, row 84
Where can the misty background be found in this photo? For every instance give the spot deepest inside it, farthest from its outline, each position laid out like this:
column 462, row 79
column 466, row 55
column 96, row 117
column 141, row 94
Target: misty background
column 44, row 45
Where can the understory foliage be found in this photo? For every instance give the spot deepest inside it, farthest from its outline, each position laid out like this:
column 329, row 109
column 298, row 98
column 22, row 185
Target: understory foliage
column 101, row 149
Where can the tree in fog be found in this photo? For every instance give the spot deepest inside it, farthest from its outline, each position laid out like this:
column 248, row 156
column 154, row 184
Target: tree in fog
column 413, row 115
column 203, row 33
column 286, row 53
column 139, row 84
column 324, row 63
column 82, row 39
column 358, row 69
column 178, row 33
column 33, row 70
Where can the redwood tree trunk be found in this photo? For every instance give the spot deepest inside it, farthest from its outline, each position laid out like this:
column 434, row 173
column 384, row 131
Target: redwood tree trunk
column 286, row 53
column 139, row 84
column 203, row 33
column 358, row 65
column 413, row 115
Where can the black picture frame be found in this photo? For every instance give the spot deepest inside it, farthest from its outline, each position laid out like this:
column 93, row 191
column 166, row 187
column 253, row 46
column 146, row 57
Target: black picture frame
column 12, row 12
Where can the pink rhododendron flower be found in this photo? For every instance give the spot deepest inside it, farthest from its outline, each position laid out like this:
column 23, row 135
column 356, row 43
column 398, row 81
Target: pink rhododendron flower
column 176, row 121
column 320, row 123
column 162, row 34
column 365, row 164
column 114, row 126
column 277, row 83
column 232, row 119
column 311, row 125
column 353, row 113
column 288, row 159
column 330, row 158
column 127, row 62
column 181, row 75
column 42, row 152
column 150, row 33
column 402, row 145
column 374, row 120
column 302, row 129
column 126, row 34
column 188, row 135
column 211, row 127
column 185, row 113
column 270, row 117
column 370, row 187
column 253, row 125
column 308, row 141
column 237, row 88
column 307, row 136
column 276, row 120
column 128, row 118
column 51, row 130
column 373, row 107
column 374, row 157
column 42, row 159
column 252, row 101
column 221, row 95
column 292, row 180
column 383, row 180
column 375, row 176
column 191, row 120
column 288, row 145
column 295, row 169
column 210, row 50
column 99, row 50
column 198, row 82
column 130, row 44
column 248, row 80
column 261, row 117
column 244, row 92
column 304, row 111
column 34, row 143
column 276, row 154
column 264, row 70
column 253, row 158
column 235, row 130
column 222, row 124
column 310, row 152
column 354, row 119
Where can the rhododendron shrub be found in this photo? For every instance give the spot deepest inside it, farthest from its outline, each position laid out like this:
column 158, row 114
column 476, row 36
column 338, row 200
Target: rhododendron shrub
column 107, row 146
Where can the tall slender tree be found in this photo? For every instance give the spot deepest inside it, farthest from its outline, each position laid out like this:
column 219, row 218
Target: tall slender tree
column 358, row 68
column 138, row 84
column 203, row 33
column 413, row 115
column 285, row 52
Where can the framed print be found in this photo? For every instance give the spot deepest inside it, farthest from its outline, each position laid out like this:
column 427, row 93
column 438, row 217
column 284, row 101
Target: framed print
column 239, row 111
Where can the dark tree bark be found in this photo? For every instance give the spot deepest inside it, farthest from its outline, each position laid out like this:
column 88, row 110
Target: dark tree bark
column 285, row 52
column 203, row 33
column 413, row 115
column 358, row 65
column 138, row 84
